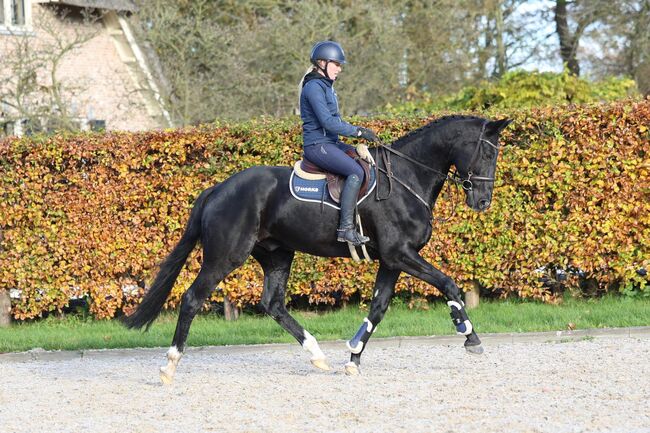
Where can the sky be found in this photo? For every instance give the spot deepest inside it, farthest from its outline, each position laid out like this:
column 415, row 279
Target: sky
column 544, row 61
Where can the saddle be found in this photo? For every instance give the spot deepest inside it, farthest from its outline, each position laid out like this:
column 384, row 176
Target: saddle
column 335, row 182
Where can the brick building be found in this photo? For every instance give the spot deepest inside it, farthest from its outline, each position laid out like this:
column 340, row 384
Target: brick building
column 103, row 82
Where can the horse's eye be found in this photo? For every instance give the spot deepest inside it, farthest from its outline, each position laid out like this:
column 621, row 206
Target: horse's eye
column 488, row 155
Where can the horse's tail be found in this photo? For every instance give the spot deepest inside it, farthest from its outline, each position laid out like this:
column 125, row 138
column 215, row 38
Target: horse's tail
column 155, row 298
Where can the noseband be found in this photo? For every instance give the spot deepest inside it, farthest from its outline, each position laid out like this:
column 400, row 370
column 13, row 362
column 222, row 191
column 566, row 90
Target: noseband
column 467, row 183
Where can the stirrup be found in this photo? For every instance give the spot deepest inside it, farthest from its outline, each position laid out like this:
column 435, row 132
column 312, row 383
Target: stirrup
column 352, row 236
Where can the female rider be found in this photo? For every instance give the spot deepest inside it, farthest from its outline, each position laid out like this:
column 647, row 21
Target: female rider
column 321, row 127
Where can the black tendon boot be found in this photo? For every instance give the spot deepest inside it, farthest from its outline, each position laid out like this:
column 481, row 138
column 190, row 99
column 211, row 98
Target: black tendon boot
column 346, row 231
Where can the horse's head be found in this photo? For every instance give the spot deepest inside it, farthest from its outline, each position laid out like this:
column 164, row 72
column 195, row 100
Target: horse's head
column 475, row 157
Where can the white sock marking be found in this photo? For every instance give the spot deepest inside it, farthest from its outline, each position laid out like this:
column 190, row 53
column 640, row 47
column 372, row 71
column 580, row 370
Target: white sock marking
column 310, row 344
column 174, row 355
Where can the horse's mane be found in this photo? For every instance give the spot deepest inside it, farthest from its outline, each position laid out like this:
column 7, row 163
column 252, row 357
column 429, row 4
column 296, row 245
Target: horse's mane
column 434, row 123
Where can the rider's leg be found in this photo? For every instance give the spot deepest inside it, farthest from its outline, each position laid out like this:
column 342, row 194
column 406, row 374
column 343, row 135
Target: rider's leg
column 332, row 158
column 347, row 231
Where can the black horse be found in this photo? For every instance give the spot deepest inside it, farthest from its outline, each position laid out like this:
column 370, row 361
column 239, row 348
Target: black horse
column 253, row 212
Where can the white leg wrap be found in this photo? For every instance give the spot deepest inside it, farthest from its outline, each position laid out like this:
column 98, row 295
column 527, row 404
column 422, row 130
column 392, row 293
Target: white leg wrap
column 466, row 323
column 356, row 349
column 311, row 345
column 356, row 345
column 468, row 328
column 369, row 327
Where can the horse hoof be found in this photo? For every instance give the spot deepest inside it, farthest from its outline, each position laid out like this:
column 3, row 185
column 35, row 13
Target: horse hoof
column 166, row 377
column 475, row 350
column 352, row 369
column 321, row 363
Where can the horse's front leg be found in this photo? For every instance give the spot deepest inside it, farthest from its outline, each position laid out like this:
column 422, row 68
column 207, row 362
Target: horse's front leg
column 383, row 292
column 413, row 264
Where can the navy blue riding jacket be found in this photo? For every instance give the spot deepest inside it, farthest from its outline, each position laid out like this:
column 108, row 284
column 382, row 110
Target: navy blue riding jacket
column 319, row 110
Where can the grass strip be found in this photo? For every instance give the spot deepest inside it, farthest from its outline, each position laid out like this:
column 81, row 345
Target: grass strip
column 77, row 333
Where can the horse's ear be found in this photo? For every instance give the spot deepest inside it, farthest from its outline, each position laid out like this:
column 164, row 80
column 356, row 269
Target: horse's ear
column 496, row 126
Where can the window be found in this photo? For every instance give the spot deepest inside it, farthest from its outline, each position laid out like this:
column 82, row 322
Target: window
column 15, row 14
column 18, row 12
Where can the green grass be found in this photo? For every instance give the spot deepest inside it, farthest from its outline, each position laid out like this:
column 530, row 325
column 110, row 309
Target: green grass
column 74, row 332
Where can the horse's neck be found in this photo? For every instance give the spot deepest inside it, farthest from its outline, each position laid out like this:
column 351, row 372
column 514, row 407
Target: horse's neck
column 427, row 147
column 430, row 150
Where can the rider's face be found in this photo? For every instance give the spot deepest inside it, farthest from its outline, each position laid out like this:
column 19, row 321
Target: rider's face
column 333, row 68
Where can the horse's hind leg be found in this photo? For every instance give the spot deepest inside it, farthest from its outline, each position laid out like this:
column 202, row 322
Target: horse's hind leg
column 191, row 303
column 384, row 289
column 217, row 264
column 277, row 266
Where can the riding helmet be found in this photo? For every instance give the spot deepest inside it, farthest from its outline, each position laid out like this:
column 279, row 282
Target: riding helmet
column 327, row 50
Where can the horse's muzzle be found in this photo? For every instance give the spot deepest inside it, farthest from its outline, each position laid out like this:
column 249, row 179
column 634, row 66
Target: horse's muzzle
column 484, row 204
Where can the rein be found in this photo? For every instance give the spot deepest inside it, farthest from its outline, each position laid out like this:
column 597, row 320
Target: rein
column 466, row 183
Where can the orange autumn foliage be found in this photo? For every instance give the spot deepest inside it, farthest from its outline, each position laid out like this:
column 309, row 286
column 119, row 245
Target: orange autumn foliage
column 90, row 215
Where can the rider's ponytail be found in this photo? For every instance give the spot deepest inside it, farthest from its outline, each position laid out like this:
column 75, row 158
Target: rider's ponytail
column 302, row 80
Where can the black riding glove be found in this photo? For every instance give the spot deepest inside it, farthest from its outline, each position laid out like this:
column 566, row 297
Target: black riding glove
column 367, row 134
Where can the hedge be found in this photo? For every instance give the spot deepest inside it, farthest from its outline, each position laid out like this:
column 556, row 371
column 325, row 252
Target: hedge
column 90, row 215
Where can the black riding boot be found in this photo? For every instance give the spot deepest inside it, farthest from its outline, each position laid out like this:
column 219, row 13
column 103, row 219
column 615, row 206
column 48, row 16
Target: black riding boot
column 346, row 231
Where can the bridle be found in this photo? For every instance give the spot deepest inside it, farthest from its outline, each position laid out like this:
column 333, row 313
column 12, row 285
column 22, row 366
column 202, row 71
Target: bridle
column 467, row 183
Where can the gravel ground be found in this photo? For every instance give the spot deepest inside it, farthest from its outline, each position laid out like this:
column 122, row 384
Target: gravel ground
column 593, row 385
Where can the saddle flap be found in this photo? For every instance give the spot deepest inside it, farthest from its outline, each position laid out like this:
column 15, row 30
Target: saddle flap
column 310, row 171
column 335, row 183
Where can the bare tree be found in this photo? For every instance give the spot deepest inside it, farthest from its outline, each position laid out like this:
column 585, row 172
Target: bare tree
column 228, row 59
column 640, row 48
column 519, row 35
column 33, row 90
column 236, row 62
column 621, row 42
column 583, row 14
